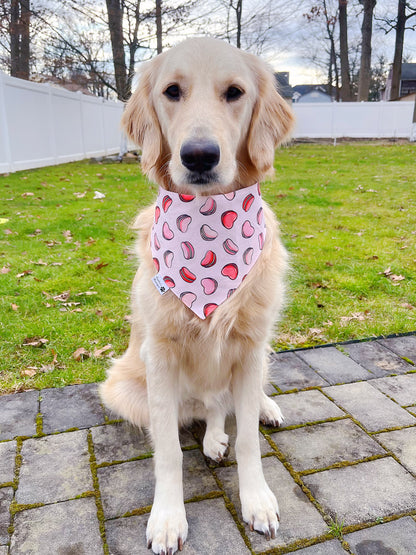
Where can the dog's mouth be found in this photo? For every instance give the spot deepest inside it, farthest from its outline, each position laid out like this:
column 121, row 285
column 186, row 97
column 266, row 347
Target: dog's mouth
column 202, row 178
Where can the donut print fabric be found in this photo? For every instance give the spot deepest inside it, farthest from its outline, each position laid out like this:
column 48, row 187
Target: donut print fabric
column 203, row 247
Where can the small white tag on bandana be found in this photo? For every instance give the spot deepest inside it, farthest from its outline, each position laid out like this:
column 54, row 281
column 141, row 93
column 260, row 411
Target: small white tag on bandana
column 204, row 246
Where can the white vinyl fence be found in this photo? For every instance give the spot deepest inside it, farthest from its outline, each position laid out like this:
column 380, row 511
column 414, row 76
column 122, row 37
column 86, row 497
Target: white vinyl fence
column 42, row 125
column 361, row 120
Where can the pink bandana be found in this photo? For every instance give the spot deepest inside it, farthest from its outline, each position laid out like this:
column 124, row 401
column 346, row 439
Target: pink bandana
column 203, row 247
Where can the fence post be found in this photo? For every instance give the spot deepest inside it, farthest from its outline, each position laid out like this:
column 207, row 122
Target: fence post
column 4, row 129
column 52, row 135
column 413, row 129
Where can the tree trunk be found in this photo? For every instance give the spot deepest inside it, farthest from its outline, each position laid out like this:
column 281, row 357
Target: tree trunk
column 365, row 65
column 346, row 95
column 398, row 50
column 20, row 38
column 159, row 25
column 238, row 10
column 115, row 23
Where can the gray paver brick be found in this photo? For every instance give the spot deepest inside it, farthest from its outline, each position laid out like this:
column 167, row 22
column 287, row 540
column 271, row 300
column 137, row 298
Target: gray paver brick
column 333, row 365
column 211, row 530
column 377, row 359
column 403, row 444
column 392, row 538
column 128, row 486
column 63, row 528
column 325, row 444
column 367, row 404
column 119, row 442
column 332, row 547
column 298, row 517
column 402, row 346
column 75, row 406
column 54, row 468
column 6, row 496
column 306, row 406
column 18, row 414
column 7, row 461
column 400, row 388
column 288, row 371
column 364, row 492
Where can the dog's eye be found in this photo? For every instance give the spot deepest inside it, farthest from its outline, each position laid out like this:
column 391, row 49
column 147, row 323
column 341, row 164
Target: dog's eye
column 173, row 92
column 233, row 93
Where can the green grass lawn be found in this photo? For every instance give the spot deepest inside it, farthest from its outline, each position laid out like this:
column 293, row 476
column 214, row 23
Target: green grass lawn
column 348, row 218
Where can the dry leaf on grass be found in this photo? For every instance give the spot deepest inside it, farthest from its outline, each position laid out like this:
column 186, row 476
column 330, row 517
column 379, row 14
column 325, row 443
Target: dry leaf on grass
column 358, row 316
column 35, row 341
column 81, row 354
column 100, row 352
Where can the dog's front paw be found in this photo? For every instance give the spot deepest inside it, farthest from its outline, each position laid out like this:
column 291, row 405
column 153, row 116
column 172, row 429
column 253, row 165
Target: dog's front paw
column 270, row 413
column 215, row 446
column 167, row 529
column 261, row 511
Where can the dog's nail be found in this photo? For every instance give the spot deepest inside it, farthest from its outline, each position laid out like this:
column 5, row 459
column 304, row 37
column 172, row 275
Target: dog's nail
column 251, row 526
column 273, row 534
column 180, row 544
column 149, row 544
column 267, row 534
column 170, row 552
column 278, row 517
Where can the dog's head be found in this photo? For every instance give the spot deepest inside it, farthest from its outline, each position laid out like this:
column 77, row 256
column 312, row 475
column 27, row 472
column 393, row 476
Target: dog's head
column 207, row 116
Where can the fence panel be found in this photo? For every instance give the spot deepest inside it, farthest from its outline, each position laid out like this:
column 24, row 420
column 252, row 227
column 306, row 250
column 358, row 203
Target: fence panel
column 379, row 120
column 41, row 125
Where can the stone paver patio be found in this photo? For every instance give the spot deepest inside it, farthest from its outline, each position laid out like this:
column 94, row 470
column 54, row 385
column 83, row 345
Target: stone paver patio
column 343, row 466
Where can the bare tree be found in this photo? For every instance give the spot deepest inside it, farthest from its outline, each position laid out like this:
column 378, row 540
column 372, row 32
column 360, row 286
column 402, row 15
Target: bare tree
column 321, row 12
column 115, row 9
column 19, row 38
column 365, row 64
column 159, row 26
column 346, row 92
column 405, row 11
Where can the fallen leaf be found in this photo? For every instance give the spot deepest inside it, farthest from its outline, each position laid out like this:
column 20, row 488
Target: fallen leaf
column 24, row 195
column 35, row 341
column 24, row 273
column 68, row 236
column 80, row 195
column 4, row 270
column 99, row 352
column 63, row 297
column 98, row 195
column 408, row 306
column 309, row 236
column 81, row 354
column 15, row 307
column 87, row 293
column 30, row 371
column 359, row 316
column 94, row 260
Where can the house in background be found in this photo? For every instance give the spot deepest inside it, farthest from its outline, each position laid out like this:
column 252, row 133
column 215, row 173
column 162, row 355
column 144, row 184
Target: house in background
column 283, row 86
column 311, row 93
column 407, row 90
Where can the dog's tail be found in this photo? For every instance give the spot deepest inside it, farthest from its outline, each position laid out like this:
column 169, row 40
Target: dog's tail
column 124, row 392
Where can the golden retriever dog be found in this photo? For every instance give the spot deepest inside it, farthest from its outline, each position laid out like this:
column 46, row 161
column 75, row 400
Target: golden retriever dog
column 208, row 118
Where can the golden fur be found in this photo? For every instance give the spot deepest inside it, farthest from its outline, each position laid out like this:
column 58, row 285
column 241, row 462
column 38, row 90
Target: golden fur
column 178, row 365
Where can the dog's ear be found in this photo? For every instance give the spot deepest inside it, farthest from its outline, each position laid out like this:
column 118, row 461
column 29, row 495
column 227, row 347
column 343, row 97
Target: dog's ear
column 140, row 122
column 271, row 122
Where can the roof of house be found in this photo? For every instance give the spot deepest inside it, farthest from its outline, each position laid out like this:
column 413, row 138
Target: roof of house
column 282, row 80
column 305, row 89
column 408, row 71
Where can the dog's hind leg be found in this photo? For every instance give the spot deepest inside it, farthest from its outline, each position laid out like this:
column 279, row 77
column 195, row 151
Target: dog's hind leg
column 215, row 443
column 124, row 392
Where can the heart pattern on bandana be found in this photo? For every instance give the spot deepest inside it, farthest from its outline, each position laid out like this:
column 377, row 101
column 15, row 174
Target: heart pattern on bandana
column 203, row 247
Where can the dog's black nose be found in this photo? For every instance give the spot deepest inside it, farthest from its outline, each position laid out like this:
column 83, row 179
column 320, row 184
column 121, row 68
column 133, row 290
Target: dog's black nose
column 200, row 156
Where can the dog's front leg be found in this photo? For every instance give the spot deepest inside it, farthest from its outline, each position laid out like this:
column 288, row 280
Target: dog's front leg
column 167, row 527
column 258, row 503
